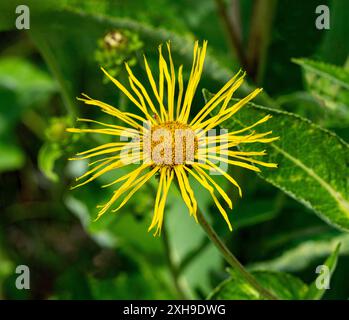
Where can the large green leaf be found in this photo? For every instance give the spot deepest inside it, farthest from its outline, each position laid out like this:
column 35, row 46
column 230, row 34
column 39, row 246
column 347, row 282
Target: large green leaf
column 282, row 285
column 314, row 293
column 313, row 163
column 329, row 84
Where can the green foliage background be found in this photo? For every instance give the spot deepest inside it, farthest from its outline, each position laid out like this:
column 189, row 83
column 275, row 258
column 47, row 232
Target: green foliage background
column 289, row 220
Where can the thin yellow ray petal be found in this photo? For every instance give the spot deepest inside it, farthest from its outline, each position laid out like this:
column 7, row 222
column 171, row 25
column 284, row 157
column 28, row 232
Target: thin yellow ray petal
column 116, row 164
column 170, row 98
column 219, row 189
column 136, row 116
column 194, row 81
column 237, row 153
column 231, row 92
column 232, row 141
column 183, row 189
column 190, row 191
column 124, row 177
column 140, row 97
column 136, row 156
column 173, row 81
column 110, row 110
column 108, row 168
column 188, row 92
column 180, row 93
column 235, row 163
column 113, row 132
column 124, row 116
column 122, row 88
column 253, row 135
column 161, row 77
column 103, row 146
column 87, row 173
column 227, row 113
column 108, row 125
column 222, row 211
column 264, row 119
column 129, row 146
column 249, row 153
column 222, row 148
column 138, row 184
column 157, row 199
column 163, row 113
column 217, row 99
column 268, row 140
column 225, row 174
column 236, row 107
column 163, row 202
column 201, row 179
column 126, row 185
column 143, row 90
column 200, row 65
column 262, row 163
column 257, row 137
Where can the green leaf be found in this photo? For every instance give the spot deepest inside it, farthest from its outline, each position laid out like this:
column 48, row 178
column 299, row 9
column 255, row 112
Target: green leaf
column 11, row 157
column 282, row 285
column 22, row 85
column 300, row 256
column 312, row 162
column 47, row 156
column 21, row 76
column 329, row 84
column 331, row 262
column 346, row 65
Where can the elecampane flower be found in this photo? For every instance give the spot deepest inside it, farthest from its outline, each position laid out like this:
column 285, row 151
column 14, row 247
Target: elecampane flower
column 158, row 148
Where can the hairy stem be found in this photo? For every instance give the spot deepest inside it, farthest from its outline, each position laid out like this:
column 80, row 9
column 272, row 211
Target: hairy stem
column 231, row 259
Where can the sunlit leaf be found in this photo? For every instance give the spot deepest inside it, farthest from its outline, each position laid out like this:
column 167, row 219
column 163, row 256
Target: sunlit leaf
column 284, row 286
column 315, row 293
column 313, row 163
column 302, row 255
column 329, row 84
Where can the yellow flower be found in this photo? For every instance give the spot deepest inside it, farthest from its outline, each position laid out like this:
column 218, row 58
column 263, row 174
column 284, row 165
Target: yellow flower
column 159, row 145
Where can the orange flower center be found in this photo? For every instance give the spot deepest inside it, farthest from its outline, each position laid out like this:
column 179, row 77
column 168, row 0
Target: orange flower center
column 170, row 143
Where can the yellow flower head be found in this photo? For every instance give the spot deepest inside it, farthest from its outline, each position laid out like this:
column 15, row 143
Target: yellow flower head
column 166, row 142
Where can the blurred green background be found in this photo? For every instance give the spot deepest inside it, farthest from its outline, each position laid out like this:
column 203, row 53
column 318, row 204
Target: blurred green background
column 49, row 228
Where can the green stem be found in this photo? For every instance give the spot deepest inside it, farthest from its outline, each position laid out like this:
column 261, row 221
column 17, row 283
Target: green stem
column 259, row 37
column 228, row 255
column 233, row 30
column 231, row 259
